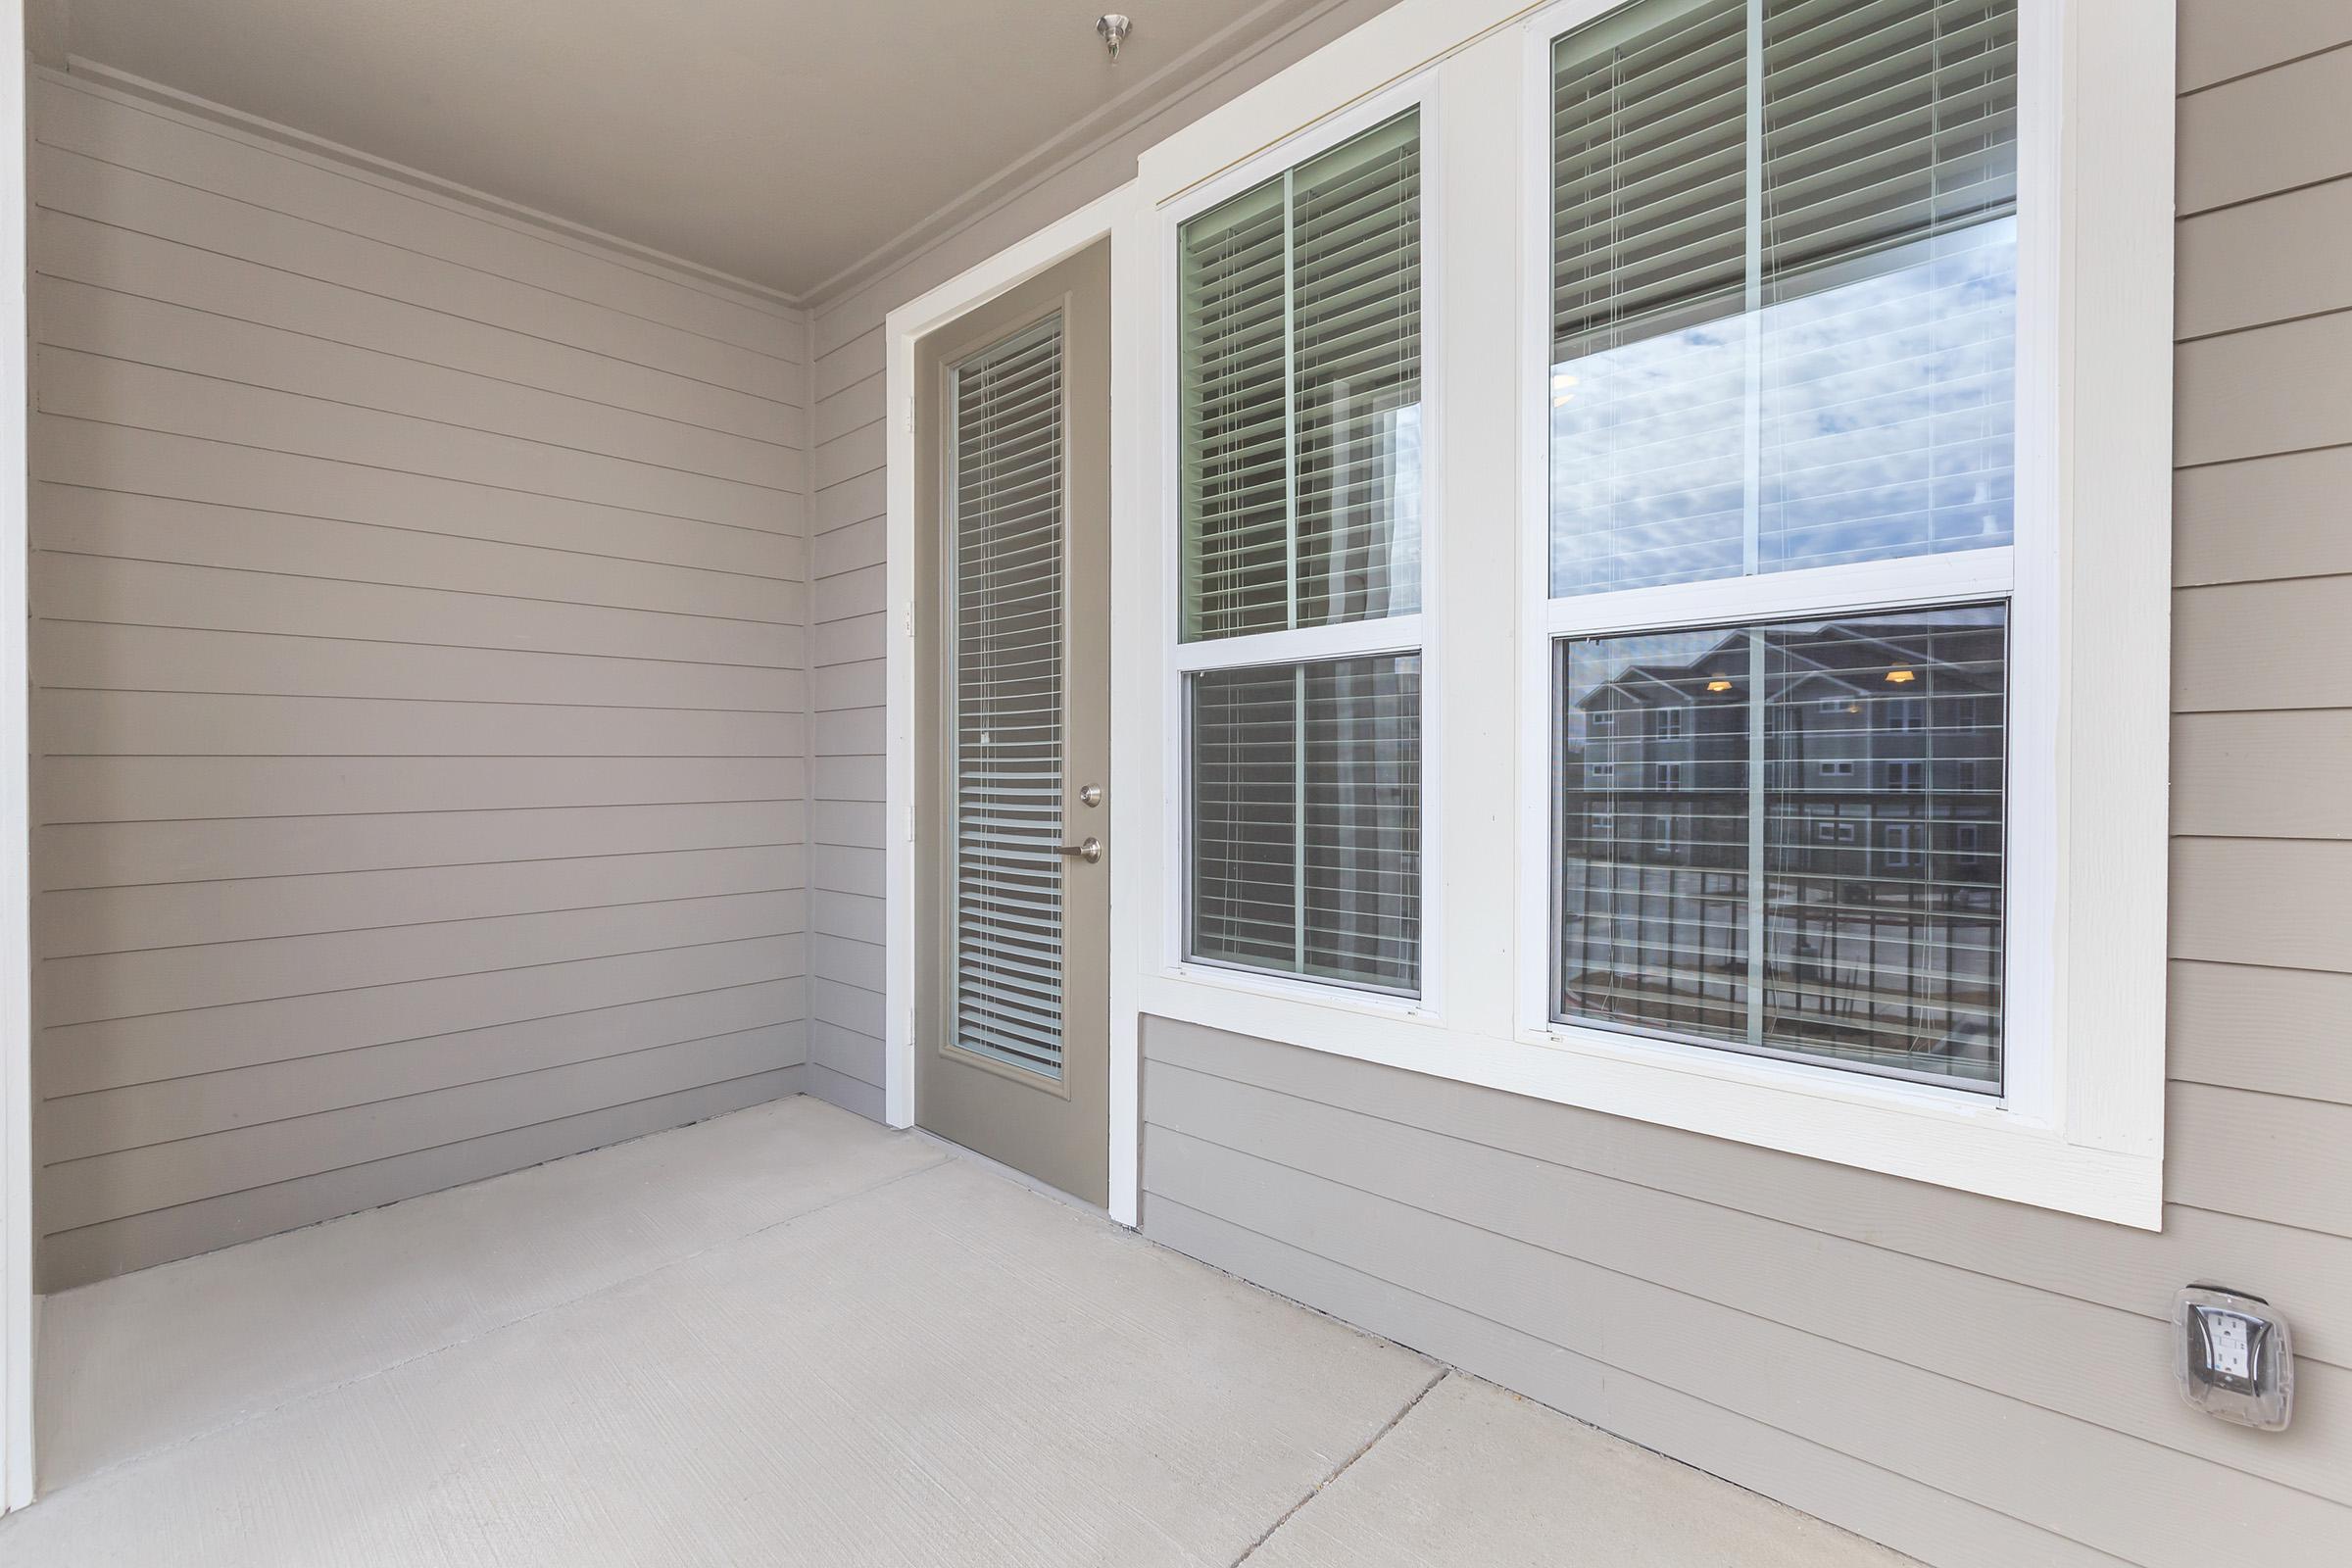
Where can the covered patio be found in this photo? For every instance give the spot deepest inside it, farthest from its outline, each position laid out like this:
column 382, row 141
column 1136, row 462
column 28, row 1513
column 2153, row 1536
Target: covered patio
column 789, row 1336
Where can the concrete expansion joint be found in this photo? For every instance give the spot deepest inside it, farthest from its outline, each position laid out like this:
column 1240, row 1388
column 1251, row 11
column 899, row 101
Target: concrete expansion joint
column 1368, row 1445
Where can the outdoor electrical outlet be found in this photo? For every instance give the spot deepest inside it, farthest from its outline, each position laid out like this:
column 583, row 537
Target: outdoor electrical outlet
column 2235, row 1358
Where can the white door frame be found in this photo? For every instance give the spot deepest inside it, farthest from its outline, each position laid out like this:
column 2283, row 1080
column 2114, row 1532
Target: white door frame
column 15, row 960
column 1108, row 217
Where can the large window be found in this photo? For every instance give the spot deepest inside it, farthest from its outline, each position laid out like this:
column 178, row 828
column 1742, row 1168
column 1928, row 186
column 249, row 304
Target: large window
column 1654, row 572
column 1300, row 350
column 1783, row 301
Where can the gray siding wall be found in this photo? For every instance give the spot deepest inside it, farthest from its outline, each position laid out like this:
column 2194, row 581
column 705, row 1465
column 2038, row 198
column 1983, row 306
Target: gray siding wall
column 420, row 718
column 1969, row 1380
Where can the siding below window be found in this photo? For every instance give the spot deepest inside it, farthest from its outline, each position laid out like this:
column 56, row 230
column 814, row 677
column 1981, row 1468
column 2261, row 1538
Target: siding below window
column 419, row 712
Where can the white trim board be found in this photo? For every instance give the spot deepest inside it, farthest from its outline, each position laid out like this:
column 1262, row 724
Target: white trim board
column 1105, row 218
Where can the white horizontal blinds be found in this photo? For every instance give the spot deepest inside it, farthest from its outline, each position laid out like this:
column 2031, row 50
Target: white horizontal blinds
column 1650, row 180
column 1232, row 316
column 1299, row 341
column 1888, row 256
column 1005, row 687
column 1885, row 121
column 1244, row 726
column 1305, row 819
column 1355, row 311
column 1784, row 286
column 1359, row 914
column 1858, row 870
column 1883, row 838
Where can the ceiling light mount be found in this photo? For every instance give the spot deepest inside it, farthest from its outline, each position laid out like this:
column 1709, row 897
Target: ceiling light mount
column 1113, row 27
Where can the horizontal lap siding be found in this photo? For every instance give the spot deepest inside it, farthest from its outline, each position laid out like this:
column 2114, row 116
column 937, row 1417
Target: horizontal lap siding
column 1969, row 1380
column 846, row 737
column 421, row 706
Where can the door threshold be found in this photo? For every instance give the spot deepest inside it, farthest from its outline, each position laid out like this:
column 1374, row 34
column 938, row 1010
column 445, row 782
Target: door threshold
column 1041, row 1188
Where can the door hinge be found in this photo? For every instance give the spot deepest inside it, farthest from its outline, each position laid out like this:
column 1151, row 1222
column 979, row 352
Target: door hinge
column 911, row 413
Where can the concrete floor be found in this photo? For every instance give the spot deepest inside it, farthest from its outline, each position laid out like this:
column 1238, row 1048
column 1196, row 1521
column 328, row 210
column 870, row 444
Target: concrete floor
column 790, row 1337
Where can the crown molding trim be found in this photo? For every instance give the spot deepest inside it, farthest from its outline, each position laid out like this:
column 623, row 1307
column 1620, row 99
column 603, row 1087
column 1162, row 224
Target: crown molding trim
column 91, row 75
column 1255, row 33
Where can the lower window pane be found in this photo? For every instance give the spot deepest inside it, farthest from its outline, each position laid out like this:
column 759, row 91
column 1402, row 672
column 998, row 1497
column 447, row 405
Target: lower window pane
column 1788, row 838
column 1305, row 819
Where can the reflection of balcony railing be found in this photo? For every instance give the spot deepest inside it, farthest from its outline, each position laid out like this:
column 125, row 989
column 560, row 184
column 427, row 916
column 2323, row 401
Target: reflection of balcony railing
column 1905, row 975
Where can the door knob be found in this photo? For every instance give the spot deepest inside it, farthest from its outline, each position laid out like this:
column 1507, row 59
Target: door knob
column 1088, row 850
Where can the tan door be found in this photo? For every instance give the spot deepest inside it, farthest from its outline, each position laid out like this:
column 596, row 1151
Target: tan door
column 1012, row 839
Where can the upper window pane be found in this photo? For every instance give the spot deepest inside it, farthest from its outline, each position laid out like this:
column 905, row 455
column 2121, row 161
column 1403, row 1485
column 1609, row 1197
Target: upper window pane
column 1788, row 838
column 1784, row 286
column 1299, row 324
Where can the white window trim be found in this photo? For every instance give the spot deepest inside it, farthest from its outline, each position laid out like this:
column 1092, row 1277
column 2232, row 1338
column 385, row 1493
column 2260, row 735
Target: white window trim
column 2080, row 1127
column 1413, row 633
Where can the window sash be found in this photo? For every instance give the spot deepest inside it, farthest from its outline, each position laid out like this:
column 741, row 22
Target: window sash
column 1712, row 168
column 1711, row 888
column 1303, row 821
column 1300, row 350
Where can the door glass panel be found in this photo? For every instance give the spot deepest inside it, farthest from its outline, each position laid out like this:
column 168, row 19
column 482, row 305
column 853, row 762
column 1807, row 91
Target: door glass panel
column 1004, row 685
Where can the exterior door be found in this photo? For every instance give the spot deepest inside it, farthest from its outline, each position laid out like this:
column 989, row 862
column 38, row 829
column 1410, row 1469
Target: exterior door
column 1012, row 1024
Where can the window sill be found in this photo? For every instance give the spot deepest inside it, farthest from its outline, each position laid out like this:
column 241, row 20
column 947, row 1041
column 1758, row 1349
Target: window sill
column 1919, row 1132
column 1251, row 986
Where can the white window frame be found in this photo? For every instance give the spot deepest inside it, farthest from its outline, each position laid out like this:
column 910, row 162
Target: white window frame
column 2080, row 1127
column 1407, row 635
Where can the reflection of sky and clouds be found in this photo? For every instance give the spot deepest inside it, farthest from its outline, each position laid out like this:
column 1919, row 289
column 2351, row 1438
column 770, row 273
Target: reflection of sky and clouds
column 1884, row 426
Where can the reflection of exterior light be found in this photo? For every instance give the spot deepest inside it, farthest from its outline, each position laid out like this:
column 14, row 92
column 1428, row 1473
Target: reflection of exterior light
column 1564, row 400
column 1719, row 684
column 1902, row 677
column 1562, row 381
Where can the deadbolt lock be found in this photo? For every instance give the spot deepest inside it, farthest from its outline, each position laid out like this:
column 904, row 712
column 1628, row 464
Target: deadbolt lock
column 1089, row 795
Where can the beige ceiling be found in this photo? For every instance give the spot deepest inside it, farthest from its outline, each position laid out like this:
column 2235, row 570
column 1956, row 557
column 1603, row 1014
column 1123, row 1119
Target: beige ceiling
column 781, row 141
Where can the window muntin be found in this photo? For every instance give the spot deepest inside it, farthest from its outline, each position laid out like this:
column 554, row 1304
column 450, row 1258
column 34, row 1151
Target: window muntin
column 1874, row 915
column 1784, row 286
column 1300, row 364
column 1305, row 819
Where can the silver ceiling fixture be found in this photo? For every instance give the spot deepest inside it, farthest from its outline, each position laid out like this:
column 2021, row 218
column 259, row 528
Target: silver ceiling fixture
column 1114, row 28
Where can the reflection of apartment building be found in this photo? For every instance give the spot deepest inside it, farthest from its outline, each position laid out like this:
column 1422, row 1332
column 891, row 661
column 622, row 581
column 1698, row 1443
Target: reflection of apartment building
column 1874, row 819
column 1882, row 757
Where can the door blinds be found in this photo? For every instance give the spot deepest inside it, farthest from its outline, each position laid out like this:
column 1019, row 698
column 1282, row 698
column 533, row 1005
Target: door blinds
column 1006, row 697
